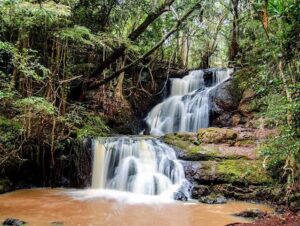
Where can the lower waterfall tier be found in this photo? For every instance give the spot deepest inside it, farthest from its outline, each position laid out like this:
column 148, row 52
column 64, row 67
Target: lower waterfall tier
column 141, row 166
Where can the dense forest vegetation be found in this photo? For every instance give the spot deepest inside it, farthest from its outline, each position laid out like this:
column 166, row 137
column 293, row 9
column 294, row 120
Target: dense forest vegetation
column 71, row 69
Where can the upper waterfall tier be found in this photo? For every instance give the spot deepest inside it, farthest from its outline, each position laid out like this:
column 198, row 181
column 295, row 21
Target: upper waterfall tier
column 189, row 104
column 142, row 166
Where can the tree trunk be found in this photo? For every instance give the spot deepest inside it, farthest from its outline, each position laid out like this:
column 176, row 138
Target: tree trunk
column 184, row 50
column 287, row 92
column 234, row 46
column 119, row 86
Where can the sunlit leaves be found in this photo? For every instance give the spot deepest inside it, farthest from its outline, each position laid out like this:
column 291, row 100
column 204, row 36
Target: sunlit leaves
column 79, row 35
column 25, row 15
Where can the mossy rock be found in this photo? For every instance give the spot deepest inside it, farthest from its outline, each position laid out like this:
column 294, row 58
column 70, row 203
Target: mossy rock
column 238, row 172
column 217, row 135
column 244, row 171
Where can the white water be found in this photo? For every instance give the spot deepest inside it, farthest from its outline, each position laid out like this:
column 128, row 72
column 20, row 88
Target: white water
column 189, row 104
column 137, row 165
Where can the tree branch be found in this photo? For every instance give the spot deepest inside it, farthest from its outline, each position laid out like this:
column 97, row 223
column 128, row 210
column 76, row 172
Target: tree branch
column 118, row 52
column 155, row 47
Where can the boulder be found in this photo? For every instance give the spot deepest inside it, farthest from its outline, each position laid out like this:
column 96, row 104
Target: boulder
column 13, row 222
column 213, row 199
column 227, row 96
column 246, row 107
column 217, row 135
column 225, row 102
column 251, row 213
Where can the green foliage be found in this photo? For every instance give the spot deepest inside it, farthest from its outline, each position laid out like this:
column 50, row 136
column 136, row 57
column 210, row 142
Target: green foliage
column 28, row 64
column 37, row 105
column 270, row 61
column 10, row 132
column 25, row 15
column 93, row 126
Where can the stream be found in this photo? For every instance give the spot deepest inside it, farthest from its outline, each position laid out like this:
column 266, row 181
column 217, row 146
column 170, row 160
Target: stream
column 41, row 207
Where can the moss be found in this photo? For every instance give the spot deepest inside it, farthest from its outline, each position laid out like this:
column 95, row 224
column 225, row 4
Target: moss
column 245, row 143
column 179, row 141
column 245, row 171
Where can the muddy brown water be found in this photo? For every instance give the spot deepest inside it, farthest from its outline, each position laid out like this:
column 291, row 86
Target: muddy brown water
column 40, row 207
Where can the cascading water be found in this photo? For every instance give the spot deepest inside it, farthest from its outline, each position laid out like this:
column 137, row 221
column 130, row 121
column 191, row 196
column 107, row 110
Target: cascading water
column 138, row 165
column 189, row 104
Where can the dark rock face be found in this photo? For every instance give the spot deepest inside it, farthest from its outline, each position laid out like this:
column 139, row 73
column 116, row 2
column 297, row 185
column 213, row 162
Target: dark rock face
column 225, row 102
column 13, row 222
column 72, row 168
column 208, row 78
column 200, row 190
column 213, row 199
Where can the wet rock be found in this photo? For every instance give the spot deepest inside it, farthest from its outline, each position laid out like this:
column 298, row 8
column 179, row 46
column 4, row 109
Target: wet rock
column 208, row 78
column 213, row 199
column 251, row 213
column 180, row 196
column 13, row 222
column 217, row 135
column 280, row 210
column 200, row 190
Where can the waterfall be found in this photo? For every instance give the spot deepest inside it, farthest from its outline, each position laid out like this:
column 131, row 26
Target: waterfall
column 138, row 165
column 188, row 106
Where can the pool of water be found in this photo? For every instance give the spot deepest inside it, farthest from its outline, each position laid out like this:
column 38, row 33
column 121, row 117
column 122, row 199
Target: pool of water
column 40, row 207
